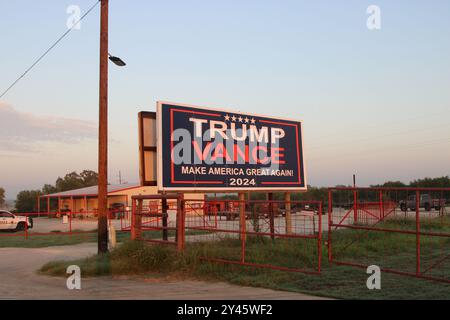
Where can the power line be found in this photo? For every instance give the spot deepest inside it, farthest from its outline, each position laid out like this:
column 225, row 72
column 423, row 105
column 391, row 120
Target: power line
column 371, row 152
column 352, row 141
column 385, row 123
column 48, row 50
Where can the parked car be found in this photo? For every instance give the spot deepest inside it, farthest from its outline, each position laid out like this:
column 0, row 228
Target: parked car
column 11, row 222
column 426, row 202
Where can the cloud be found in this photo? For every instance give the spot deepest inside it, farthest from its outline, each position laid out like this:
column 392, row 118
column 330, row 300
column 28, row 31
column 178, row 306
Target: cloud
column 21, row 131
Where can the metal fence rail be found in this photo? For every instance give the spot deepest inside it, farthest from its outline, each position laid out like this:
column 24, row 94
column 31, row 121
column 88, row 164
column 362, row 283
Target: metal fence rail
column 159, row 213
column 406, row 231
column 276, row 235
column 248, row 233
column 66, row 223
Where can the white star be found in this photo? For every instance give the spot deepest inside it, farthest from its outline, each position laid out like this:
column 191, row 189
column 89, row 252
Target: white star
column 241, row 119
column 246, row 120
column 234, row 118
column 227, row 118
column 253, row 121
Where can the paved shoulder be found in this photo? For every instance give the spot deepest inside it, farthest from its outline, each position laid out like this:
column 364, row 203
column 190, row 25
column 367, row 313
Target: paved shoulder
column 19, row 281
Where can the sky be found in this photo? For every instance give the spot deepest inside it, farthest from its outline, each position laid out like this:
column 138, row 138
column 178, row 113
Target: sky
column 373, row 102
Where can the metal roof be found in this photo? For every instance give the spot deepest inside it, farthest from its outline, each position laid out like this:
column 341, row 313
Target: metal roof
column 92, row 191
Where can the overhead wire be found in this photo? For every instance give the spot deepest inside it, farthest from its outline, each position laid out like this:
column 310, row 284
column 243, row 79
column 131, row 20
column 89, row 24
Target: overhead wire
column 42, row 56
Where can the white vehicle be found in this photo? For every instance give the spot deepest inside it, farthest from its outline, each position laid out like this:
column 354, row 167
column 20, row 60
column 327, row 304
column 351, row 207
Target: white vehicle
column 11, row 222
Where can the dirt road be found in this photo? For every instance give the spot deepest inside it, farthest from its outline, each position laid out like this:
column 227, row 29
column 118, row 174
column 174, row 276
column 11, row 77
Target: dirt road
column 19, row 280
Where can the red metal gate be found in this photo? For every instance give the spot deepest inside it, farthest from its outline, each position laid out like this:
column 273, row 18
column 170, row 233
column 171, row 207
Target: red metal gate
column 406, row 231
column 279, row 235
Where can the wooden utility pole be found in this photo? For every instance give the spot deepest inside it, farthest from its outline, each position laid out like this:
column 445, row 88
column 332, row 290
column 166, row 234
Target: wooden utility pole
column 103, row 133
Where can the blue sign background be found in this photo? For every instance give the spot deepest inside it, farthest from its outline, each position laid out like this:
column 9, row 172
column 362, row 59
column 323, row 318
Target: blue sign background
column 202, row 176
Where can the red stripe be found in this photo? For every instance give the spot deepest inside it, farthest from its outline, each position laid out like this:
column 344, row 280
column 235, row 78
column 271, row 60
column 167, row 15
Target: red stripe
column 298, row 150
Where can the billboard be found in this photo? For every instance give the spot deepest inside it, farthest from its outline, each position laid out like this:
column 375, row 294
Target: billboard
column 203, row 149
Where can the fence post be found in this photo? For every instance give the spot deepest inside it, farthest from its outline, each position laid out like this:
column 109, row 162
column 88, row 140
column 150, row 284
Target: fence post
column 271, row 216
column 287, row 200
column 418, row 233
column 381, row 205
column 319, row 239
column 164, row 219
column 133, row 226
column 121, row 218
column 181, row 216
column 39, row 205
column 330, row 223
column 136, row 221
column 355, row 207
column 242, row 224
column 70, row 222
column 216, row 222
column 26, row 225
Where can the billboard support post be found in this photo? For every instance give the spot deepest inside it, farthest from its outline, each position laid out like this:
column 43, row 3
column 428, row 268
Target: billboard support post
column 242, row 226
column 136, row 220
column 181, row 216
column 287, row 200
column 271, row 215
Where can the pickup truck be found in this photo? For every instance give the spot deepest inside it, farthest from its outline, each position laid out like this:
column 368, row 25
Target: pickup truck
column 11, row 222
column 426, row 202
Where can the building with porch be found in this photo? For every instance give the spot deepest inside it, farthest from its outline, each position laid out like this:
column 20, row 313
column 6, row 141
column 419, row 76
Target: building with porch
column 85, row 200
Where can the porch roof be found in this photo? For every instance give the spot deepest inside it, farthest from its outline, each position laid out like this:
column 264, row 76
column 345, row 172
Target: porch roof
column 91, row 191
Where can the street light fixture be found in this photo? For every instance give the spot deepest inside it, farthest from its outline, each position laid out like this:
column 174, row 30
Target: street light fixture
column 117, row 61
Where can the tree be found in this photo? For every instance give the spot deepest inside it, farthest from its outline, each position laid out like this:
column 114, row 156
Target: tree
column 49, row 189
column 2, row 197
column 391, row 184
column 442, row 182
column 73, row 181
column 26, row 201
column 90, row 178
